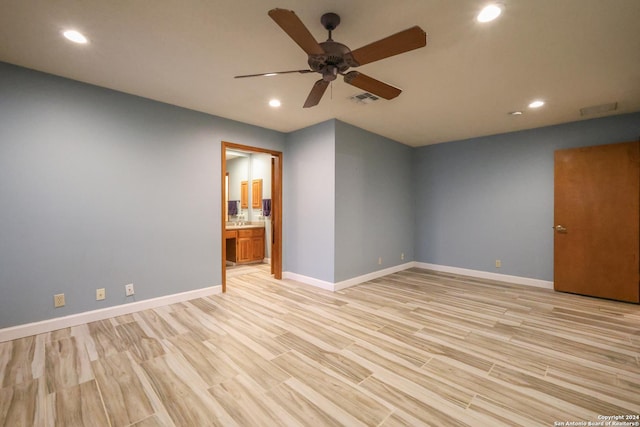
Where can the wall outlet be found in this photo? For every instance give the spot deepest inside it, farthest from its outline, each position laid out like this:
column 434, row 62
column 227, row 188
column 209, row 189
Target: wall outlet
column 498, row 263
column 100, row 294
column 380, row 261
column 58, row 300
column 128, row 289
column 402, row 256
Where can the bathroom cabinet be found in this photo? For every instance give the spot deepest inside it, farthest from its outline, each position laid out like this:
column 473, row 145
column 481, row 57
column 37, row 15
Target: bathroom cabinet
column 244, row 194
column 245, row 245
column 256, row 194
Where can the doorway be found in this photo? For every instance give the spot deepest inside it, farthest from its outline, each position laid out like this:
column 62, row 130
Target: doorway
column 597, row 221
column 269, row 209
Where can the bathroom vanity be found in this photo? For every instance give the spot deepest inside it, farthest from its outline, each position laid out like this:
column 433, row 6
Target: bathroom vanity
column 245, row 243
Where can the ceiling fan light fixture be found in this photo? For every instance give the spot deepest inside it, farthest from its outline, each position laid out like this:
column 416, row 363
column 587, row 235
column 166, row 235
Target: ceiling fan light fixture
column 275, row 103
column 489, row 13
column 75, row 36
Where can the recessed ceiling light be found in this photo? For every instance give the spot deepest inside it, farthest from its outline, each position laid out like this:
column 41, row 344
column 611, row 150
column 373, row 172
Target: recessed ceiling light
column 489, row 13
column 270, row 74
column 75, row 36
column 515, row 113
column 275, row 103
column 536, row 104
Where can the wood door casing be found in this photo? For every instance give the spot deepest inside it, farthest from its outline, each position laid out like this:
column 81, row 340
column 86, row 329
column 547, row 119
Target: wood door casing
column 597, row 201
column 276, row 216
column 271, row 241
column 276, row 207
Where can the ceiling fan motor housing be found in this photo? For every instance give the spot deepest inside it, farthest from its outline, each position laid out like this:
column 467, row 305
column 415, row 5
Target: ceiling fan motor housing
column 336, row 56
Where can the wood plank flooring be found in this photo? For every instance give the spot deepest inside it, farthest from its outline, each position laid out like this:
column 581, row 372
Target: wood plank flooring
column 411, row 348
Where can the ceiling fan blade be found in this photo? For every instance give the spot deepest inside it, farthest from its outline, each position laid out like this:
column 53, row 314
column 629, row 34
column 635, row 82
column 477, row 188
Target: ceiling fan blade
column 293, row 26
column 316, row 93
column 404, row 41
column 274, row 73
column 376, row 87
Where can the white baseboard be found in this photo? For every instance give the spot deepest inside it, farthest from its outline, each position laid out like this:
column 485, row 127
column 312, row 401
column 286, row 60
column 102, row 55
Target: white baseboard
column 374, row 275
column 518, row 280
column 487, row 275
column 329, row 286
column 28, row 329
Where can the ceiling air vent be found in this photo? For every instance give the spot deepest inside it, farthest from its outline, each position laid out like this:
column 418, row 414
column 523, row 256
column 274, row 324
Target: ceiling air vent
column 364, row 98
column 598, row 109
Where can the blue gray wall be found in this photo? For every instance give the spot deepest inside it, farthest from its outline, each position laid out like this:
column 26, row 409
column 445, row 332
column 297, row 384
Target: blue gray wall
column 309, row 202
column 348, row 201
column 99, row 189
column 374, row 202
column 491, row 198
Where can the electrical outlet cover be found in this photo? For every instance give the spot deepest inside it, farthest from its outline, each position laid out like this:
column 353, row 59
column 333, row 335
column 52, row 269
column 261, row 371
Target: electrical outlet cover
column 128, row 289
column 58, row 300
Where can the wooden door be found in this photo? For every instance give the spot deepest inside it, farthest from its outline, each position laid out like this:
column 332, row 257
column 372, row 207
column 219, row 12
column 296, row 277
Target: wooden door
column 597, row 221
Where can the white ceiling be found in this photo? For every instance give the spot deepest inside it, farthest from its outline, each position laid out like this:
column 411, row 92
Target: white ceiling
column 570, row 53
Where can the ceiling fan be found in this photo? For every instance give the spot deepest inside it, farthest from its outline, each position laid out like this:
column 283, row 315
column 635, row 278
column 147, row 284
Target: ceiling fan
column 331, row 58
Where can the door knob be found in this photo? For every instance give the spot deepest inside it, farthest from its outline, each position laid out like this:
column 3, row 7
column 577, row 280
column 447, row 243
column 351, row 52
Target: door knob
column 560, row 229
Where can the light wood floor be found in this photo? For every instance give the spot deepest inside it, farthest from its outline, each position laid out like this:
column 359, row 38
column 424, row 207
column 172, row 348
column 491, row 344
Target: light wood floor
column 412, row 348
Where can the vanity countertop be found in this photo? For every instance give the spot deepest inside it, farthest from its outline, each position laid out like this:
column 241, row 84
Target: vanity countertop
column 232, row 226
